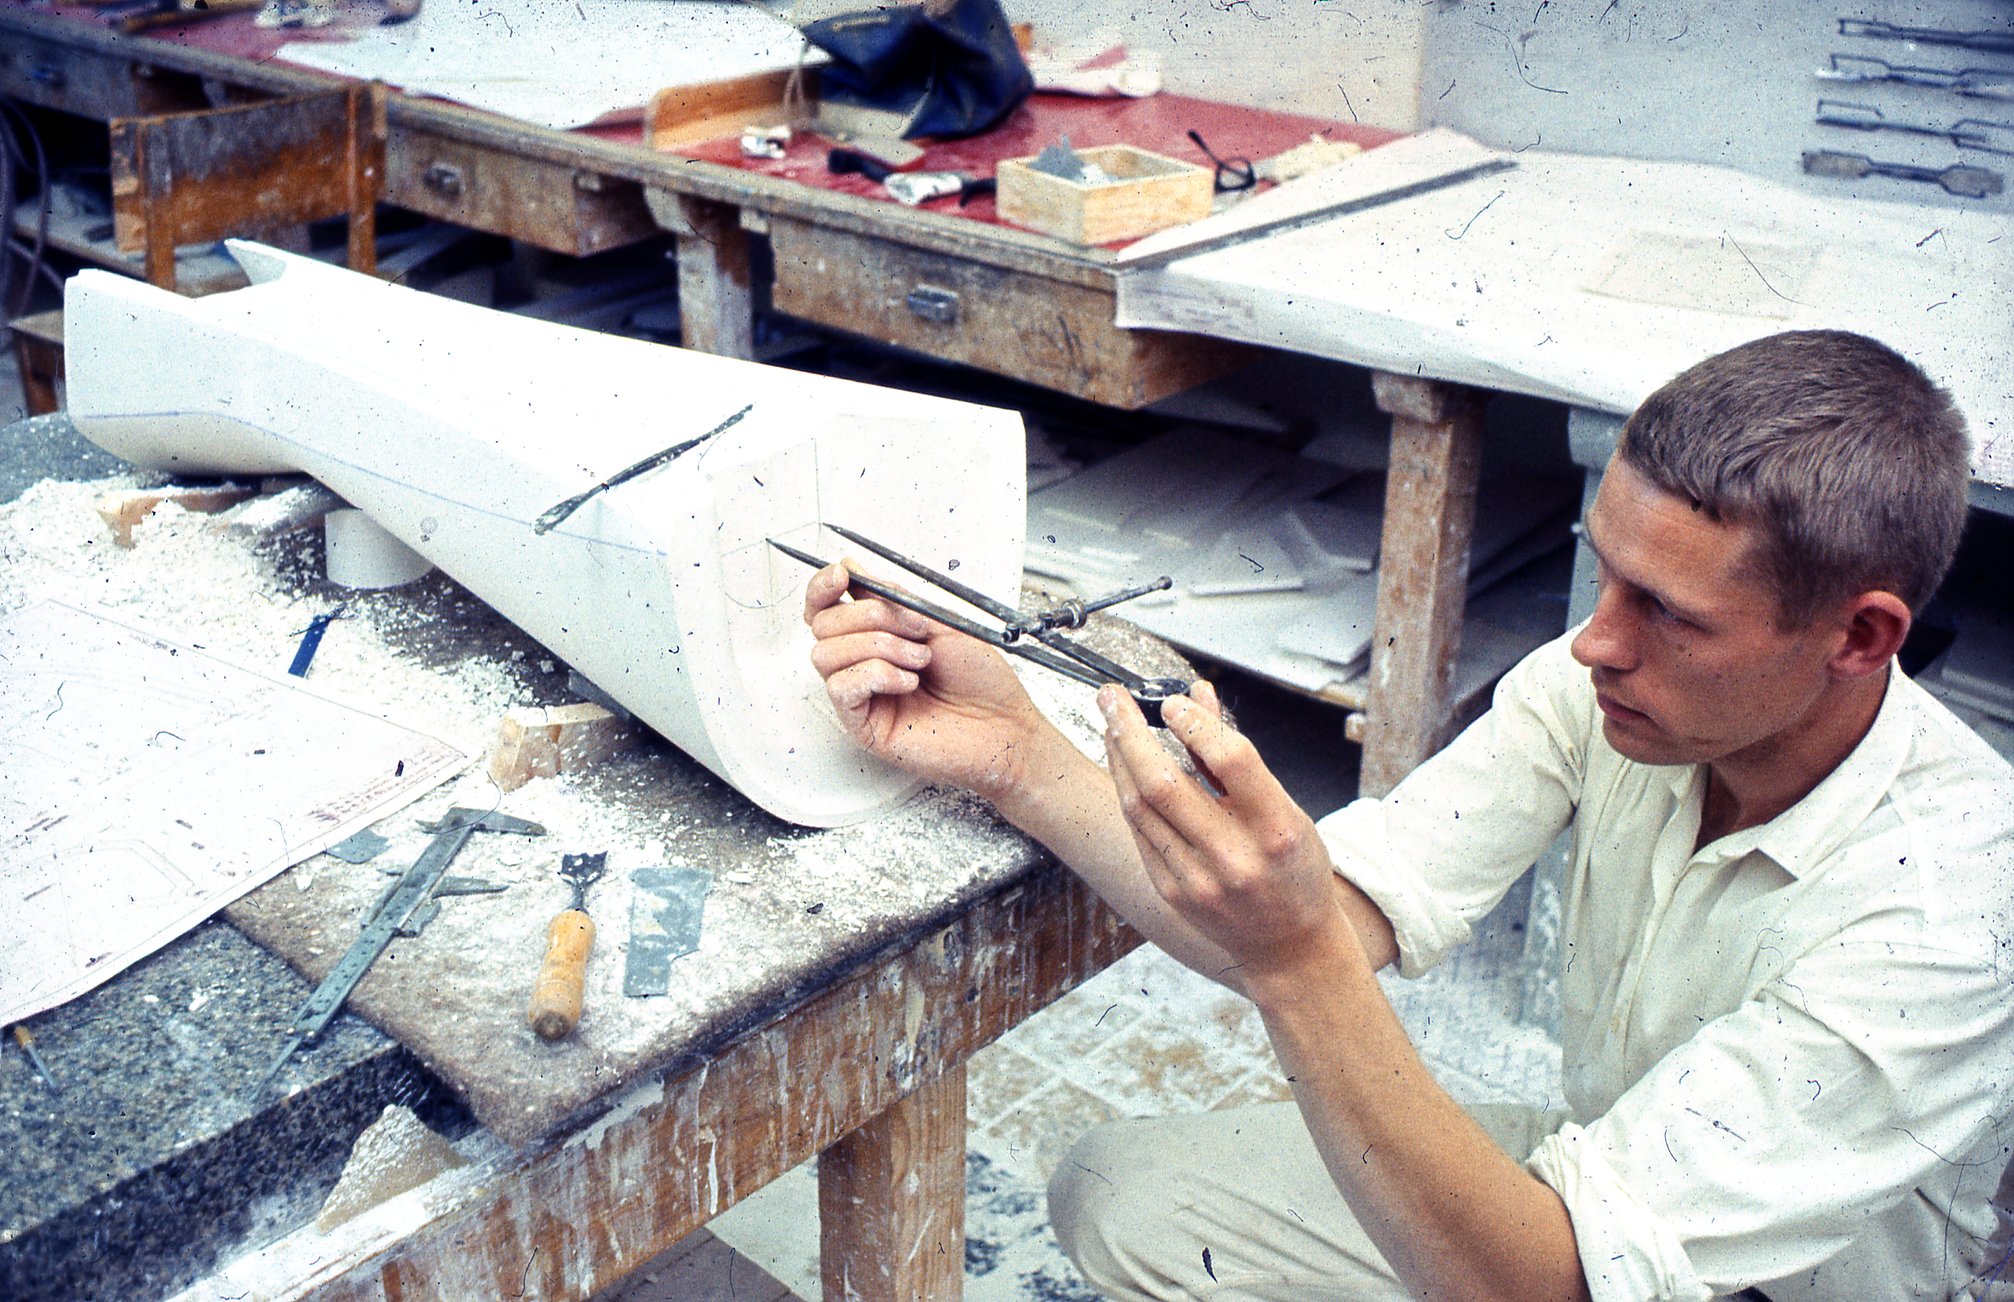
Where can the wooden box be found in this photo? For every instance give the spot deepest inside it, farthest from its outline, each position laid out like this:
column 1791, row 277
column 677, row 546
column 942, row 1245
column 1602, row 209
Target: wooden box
column 1147, row 193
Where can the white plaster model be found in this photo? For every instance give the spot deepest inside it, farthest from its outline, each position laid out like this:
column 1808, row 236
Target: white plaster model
column 455, row 427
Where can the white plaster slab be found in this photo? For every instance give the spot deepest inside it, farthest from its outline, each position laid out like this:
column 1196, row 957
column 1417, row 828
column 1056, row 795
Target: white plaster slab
column 1594, row 280
column 559, row 63
column 1198, row 506
column 455, row 427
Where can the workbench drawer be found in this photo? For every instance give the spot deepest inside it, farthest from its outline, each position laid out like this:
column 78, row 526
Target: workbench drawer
column 1016, row 323
column 555, row 206
column 91, row 83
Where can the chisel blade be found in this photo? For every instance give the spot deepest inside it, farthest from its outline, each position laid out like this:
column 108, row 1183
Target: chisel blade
column 665, row 915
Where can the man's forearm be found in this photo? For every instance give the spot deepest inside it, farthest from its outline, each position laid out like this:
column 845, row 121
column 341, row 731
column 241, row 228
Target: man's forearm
column 1454, row 1215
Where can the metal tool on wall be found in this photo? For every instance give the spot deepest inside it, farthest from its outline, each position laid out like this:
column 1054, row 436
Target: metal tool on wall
column 1874, row 29
column 1966, row 133
column 1979, row 83
column 1962, row 179
column 403, row 910
column 1057, row 653
column 562, row 979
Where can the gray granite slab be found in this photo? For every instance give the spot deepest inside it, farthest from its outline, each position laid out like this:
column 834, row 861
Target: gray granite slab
column 157, row 1158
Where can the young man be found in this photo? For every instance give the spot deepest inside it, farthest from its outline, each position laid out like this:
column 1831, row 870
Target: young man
column 1788, row 1033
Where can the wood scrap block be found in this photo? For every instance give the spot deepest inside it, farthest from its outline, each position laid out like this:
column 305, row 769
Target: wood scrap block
column 544, row 741
column 687, row 115
column 283, row 506
column 122, row 511
column 38, row 349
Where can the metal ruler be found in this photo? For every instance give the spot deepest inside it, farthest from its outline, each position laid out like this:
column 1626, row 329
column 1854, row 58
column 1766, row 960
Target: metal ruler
column 1341, row 208
column 405, row 907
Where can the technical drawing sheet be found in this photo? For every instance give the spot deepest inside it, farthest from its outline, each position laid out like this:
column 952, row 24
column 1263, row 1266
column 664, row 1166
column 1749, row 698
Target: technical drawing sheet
column 151, row 783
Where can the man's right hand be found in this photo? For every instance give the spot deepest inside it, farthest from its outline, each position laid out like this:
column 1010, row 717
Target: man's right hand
column 932, row 701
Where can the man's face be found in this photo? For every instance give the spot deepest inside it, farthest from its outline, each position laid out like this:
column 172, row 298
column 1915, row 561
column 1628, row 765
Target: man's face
column 1689, row 662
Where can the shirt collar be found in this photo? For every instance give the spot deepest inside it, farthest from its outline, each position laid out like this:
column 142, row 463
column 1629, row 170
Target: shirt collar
column 1803, row 835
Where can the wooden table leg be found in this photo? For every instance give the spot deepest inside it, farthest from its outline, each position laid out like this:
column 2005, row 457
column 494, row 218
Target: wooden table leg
column 716, row 299
column 1423, row 566
column 891, row 1201
column 567, row 1217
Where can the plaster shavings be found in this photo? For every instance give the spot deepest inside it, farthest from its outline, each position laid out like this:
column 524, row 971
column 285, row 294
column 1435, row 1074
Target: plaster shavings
column 786, row 902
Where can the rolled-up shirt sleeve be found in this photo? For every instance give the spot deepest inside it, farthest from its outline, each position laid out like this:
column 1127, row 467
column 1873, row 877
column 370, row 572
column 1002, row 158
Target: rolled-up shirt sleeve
column 1775, row 1136
column 1439, row 852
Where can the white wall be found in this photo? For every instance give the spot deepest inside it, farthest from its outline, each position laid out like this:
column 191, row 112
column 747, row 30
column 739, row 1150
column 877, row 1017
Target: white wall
column 1732, row 82
column 1350, row 60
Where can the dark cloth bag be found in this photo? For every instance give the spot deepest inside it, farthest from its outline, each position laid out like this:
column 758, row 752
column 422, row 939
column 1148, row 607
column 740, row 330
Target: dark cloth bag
column 950, row 73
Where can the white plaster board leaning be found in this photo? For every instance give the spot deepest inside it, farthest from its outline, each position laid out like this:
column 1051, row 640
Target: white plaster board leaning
column 455, row 427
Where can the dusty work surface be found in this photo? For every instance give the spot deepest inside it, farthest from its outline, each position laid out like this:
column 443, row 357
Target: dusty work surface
column 790, row 911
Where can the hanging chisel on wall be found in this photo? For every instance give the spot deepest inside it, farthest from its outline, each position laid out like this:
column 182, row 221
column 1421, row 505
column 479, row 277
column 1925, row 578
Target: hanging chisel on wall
column 1961, row 179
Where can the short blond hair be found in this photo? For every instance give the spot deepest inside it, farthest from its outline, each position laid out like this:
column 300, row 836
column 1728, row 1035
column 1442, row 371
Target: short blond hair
column 1850, row 464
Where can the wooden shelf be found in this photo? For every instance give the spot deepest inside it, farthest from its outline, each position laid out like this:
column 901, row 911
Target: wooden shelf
column 80, row 233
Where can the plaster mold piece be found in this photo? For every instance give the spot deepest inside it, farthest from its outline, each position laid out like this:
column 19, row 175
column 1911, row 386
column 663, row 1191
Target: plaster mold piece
column 454, row 427
column 361, row 553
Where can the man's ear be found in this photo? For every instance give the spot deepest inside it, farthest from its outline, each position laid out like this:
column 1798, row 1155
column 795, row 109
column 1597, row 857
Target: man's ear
column 1875, row 623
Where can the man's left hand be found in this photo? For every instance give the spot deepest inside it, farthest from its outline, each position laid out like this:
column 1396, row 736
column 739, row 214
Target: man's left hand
column 1244, row 867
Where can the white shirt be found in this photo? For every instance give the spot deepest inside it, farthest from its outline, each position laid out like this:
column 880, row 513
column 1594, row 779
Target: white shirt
column 1790, row 1056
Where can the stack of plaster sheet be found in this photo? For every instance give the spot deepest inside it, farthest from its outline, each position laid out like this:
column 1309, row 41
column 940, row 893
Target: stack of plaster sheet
column 1273, row 555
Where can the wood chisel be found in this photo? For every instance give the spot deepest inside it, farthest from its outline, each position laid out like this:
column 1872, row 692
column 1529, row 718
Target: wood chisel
column 562, row 981
column 1961, row 179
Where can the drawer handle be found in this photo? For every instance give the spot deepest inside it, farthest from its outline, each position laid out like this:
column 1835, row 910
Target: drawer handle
column 934, row 304
column 443, row 179
column 46, row 74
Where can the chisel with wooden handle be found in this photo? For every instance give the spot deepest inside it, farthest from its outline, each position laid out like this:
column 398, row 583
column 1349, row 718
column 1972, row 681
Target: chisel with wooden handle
column 562, row 980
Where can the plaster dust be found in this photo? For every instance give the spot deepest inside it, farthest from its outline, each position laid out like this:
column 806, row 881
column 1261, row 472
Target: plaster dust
column 789, row 906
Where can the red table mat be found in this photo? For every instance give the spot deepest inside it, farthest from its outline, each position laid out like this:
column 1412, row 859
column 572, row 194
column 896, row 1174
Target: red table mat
column 1158, row 123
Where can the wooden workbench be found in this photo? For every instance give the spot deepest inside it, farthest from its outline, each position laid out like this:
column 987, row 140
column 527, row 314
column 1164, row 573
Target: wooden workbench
column 843, row 978
column 867, row 1073
column 1036, row 308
